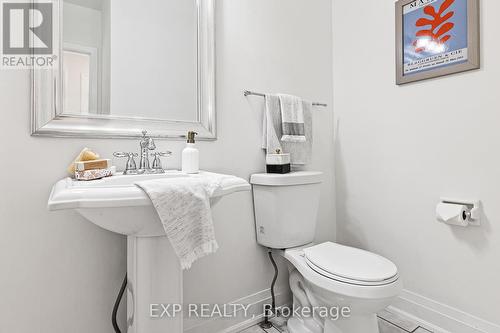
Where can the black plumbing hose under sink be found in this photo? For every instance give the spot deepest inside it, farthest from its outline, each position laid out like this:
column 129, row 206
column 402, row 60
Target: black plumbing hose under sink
column 117, row 305
column 124, row 286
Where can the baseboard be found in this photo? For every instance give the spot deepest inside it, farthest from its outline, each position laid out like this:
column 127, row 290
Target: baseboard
column 439, row 317
column 239, row 322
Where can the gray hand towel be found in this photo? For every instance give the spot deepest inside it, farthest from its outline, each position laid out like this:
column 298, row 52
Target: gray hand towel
column 300, row 152
column 292, row 118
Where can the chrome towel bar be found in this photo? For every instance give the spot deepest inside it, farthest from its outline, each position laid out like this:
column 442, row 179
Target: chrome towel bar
column 248, row 93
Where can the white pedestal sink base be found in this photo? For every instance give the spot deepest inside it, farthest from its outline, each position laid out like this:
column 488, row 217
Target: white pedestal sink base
column 154, row 277
column 154, row 273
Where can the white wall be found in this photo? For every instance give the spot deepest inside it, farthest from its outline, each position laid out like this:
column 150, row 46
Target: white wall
column 264, row 46
column 399, row 149
column 58, row 273
column 61, row 274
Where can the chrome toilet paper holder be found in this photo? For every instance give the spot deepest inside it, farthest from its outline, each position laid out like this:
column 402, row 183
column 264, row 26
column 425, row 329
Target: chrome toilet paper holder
column 473, row 212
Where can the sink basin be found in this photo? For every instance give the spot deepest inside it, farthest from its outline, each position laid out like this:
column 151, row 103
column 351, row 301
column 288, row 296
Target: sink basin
column 116, row 204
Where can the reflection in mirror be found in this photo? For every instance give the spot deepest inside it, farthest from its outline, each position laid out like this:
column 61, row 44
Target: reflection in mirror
column 77, row 94
column 130, row 59
column 80, row 77
column 85, row 24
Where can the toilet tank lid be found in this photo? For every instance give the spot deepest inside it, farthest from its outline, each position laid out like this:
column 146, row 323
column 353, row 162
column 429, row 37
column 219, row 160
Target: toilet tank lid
column 293, row 178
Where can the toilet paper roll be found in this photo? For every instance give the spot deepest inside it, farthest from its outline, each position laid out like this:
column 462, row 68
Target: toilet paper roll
column 453, row 214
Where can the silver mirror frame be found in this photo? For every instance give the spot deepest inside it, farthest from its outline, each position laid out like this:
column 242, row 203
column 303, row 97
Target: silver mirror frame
column 46, row 96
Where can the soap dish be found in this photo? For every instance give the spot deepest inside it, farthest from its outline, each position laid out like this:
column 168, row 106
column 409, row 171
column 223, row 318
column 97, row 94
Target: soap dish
column 95, row 174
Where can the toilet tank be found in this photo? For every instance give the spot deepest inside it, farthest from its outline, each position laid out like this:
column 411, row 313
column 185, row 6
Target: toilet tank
column 286, row 208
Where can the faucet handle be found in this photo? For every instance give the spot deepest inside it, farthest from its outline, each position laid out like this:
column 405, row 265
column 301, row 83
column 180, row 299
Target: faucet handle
column 131, row 167
column 157, row 162
column 162, row 153
column 120, row 154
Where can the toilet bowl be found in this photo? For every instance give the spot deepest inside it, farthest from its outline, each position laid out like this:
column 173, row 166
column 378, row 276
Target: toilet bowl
column 336, row 288
column 349, row 286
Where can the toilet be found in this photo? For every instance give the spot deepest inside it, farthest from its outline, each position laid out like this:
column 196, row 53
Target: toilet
column 325, row 278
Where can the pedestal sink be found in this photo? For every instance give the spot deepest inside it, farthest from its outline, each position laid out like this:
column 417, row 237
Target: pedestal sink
column 154, row 273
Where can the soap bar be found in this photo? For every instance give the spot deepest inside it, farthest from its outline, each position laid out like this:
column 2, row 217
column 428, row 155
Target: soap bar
column 85, row 155
column 94, row 174
column 92, row 165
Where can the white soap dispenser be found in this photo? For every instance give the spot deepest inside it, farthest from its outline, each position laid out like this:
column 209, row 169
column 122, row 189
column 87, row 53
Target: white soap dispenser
column 191, row 155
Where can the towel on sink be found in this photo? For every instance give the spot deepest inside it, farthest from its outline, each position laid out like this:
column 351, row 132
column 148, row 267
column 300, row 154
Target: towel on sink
column 183, row 205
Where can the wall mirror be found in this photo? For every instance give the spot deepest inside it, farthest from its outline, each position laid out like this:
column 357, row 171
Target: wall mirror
column 126, row 65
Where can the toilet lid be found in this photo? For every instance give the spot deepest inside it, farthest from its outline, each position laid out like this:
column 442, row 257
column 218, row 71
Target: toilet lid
column 348, row 264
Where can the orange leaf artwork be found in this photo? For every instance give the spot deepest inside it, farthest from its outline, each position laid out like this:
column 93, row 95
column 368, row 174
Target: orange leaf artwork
column 435, row 30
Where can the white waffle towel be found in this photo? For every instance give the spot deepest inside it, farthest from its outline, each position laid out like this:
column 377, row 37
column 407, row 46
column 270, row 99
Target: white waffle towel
column 183, row 205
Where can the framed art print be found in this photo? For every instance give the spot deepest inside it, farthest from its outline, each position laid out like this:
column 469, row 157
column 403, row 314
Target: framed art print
column 436, row 38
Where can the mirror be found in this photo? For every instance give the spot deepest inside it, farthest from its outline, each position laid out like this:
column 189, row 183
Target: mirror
column 125, row 66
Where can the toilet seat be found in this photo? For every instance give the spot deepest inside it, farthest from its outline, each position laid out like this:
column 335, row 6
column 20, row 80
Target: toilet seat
column 356, row 290
column 350, row 265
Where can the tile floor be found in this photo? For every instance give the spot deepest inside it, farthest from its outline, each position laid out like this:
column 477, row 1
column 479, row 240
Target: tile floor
column 388, row 323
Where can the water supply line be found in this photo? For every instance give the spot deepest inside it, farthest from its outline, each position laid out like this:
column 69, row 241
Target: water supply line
column 266, row 323
column 273, row 296
column 117, row 305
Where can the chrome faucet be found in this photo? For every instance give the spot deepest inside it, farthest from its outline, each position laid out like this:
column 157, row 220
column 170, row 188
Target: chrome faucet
column 146, row 144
